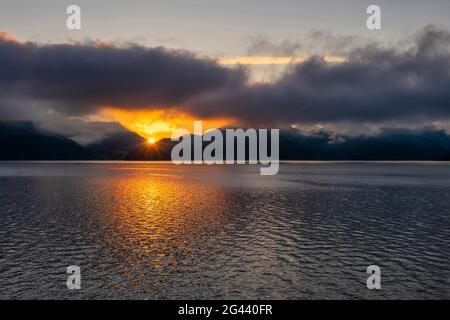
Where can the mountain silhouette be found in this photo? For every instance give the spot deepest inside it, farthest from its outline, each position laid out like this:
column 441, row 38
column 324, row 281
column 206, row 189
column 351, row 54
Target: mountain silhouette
column 117, row 146
column 23, row 141
column 390, row 145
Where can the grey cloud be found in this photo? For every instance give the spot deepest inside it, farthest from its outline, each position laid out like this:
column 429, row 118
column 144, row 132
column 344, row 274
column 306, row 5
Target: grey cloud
column 262, row 45
column 319, row 42
column 374, row 85
column 377, row 84
column 80, row 78
column 82, row 132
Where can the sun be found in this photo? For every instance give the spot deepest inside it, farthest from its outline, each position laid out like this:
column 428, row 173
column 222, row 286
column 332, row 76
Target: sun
column 151, row 141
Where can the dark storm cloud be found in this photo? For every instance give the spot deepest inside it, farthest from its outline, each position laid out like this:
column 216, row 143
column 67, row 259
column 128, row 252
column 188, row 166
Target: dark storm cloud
column 80, row 78
column 375, row 84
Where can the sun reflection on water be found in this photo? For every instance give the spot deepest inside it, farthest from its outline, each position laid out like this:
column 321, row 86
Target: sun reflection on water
column 155, row 221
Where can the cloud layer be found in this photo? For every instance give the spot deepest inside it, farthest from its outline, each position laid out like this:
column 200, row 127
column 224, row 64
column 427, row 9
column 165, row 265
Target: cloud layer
column 80, row 78
column 375, row 84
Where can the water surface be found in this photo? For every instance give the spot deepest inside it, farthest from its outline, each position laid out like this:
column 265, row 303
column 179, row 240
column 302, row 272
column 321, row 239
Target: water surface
column 160, row 231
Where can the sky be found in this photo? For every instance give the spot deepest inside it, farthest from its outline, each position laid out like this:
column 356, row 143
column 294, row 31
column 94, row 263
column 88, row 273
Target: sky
column 214, row 27
column 152, row 66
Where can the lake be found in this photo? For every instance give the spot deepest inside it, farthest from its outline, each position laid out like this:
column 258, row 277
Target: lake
column 143, row 230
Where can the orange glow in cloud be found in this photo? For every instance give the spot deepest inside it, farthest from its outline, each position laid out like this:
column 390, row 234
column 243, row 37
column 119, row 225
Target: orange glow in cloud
column 6, row 36
column 158, row 124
